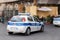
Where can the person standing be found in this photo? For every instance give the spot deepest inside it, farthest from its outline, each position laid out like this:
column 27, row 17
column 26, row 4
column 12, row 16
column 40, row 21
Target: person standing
column 2, row 18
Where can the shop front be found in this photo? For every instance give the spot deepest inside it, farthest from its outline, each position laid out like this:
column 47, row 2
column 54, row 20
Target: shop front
column 47, row 10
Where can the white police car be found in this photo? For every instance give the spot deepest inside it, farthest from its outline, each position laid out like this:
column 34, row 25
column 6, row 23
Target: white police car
column 56, row 21
column 24, row 23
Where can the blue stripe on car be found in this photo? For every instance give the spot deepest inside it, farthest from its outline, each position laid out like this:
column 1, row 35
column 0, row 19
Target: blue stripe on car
column 25, row 24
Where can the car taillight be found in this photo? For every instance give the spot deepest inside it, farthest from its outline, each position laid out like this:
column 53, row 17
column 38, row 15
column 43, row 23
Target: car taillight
column 23, row 19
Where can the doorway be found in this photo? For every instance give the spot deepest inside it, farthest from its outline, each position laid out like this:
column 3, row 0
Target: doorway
column 58, row 9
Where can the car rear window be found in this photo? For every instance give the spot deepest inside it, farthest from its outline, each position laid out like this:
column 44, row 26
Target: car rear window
column 18, row 19
column 56, row 19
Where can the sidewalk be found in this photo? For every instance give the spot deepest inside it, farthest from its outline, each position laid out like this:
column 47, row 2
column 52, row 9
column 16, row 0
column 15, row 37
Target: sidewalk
column 4, row 23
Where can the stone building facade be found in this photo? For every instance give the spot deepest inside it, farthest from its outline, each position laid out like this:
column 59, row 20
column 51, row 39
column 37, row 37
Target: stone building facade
column 12, row 7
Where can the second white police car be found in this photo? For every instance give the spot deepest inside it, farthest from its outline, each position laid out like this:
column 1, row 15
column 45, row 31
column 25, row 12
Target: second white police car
column 56, row 21
column 24, row 23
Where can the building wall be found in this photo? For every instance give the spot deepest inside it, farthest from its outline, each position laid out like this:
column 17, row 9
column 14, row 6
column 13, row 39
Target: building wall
column 42, row 14
column 2, row 6
column 27, row 9
column 54, row 10
column 33, row 10
column 20, row 7
column 9, row 10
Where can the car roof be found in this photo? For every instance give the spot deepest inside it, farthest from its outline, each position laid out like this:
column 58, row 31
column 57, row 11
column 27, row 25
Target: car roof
column 20, row 16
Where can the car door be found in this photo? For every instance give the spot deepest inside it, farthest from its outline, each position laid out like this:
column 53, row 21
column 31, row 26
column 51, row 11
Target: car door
column 31, row 23
column 36, row 24
column 40, row 25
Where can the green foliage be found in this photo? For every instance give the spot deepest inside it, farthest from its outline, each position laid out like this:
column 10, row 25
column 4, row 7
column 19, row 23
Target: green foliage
column 48, row 18
column 36, row 16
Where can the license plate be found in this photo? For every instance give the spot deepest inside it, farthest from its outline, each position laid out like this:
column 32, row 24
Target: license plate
column 14, row 28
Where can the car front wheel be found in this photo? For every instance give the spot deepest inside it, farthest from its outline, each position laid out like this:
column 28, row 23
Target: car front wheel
column 42, row 29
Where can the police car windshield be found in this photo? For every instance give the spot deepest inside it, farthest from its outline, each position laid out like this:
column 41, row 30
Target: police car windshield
column 57, row 17
column 16, row 19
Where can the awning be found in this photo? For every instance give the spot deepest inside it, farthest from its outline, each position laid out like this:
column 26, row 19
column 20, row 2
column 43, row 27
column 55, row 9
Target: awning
column 45, row 9
column 48, row 2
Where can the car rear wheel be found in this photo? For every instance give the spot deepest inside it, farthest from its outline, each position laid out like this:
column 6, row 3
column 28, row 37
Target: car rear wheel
column 55, row 25
column 10, row 33
column 42, row 29
column 28, row 31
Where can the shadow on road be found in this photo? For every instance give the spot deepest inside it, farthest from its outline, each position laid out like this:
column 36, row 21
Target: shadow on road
column 21, row 34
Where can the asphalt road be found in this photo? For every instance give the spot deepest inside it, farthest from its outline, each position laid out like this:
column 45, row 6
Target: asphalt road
column 50, row 33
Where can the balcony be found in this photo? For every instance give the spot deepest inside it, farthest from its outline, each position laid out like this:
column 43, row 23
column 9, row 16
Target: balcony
column 3, row 1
